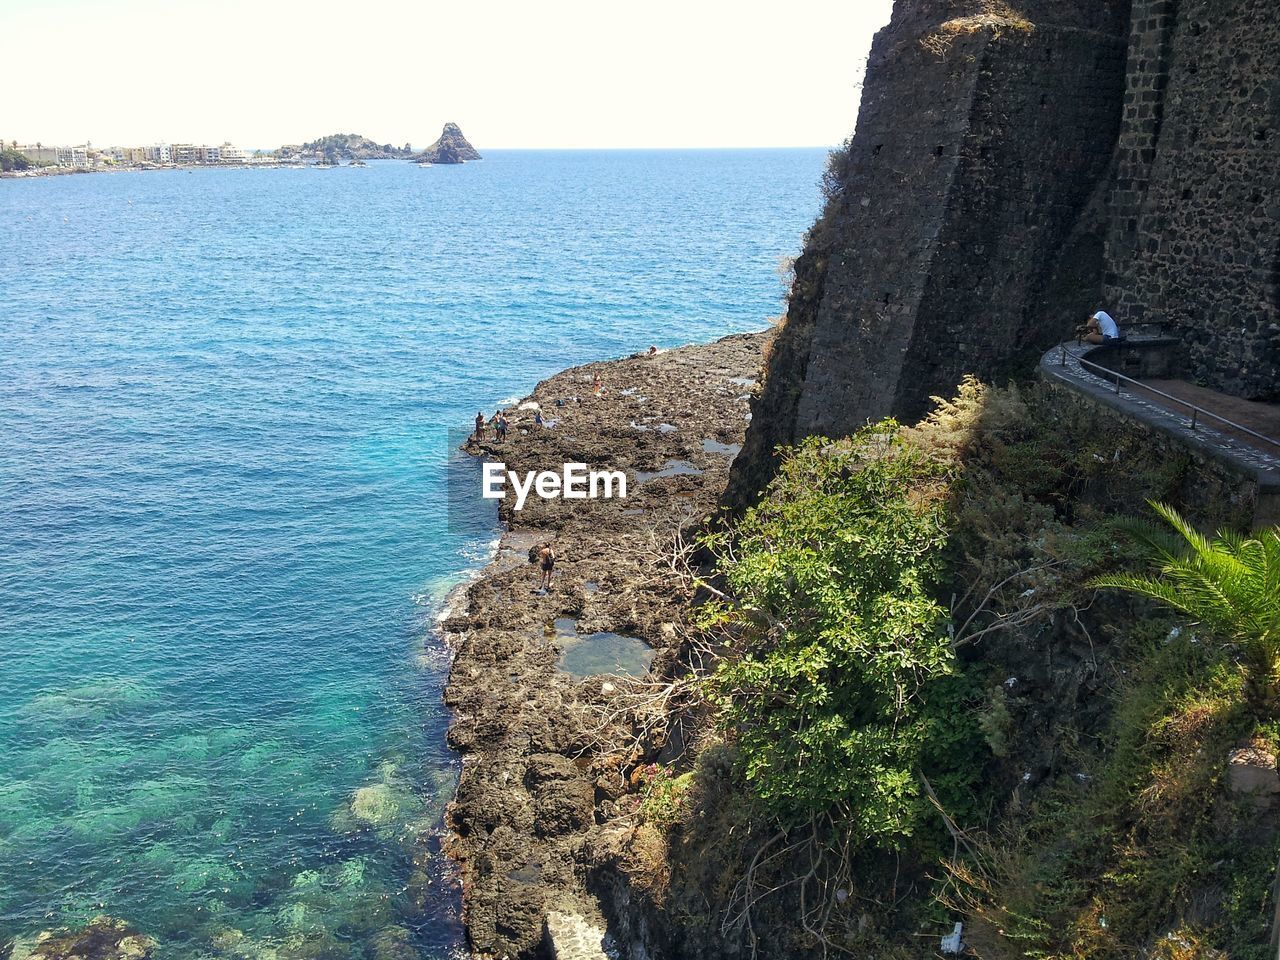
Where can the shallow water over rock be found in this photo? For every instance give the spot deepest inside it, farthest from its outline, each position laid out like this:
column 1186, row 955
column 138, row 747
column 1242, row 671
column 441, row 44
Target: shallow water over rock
column 592, row 654
column 600, row 653
column 729, row 450
column 672, row 468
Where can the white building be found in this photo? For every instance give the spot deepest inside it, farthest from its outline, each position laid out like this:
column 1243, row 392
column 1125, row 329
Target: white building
column 74, row 157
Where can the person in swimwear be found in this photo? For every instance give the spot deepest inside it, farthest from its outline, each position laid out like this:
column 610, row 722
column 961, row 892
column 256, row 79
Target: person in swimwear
column 547, row 564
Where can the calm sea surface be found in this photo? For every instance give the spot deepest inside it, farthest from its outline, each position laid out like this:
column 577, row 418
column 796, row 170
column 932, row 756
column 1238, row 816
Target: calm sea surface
column 223, row 542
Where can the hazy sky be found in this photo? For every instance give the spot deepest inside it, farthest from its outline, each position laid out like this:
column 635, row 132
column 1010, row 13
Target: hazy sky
column 539, row 73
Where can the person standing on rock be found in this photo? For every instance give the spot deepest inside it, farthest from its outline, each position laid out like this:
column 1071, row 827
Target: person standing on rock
column 480, row 425
column 547, row 564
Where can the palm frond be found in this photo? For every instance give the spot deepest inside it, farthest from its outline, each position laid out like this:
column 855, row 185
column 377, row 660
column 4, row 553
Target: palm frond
column 1148, row 587
column 1193, row 537
column 1230, row 583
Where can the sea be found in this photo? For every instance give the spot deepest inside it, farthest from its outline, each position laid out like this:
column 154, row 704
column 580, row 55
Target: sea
column 227, row 398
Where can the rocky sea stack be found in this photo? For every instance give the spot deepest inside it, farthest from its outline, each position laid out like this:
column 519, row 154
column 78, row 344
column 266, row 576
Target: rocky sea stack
column 452, row 147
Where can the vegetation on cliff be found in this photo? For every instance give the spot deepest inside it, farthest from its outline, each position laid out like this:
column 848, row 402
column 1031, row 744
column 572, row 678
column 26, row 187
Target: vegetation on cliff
column 927, row 710
column 838, row 689
column 1230, row 584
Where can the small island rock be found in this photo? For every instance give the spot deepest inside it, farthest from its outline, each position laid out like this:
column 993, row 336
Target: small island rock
column 452, row 147
column 342, row 147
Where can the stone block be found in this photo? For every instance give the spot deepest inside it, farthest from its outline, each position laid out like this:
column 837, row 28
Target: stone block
column 1252, row 771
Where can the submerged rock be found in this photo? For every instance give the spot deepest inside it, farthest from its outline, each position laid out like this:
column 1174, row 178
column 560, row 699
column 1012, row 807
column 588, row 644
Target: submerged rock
column 452, row 147
column 376, row 805
column 103, row 938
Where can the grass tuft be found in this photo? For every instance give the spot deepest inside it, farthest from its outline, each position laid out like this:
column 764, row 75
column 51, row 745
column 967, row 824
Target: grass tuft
column 995, row 16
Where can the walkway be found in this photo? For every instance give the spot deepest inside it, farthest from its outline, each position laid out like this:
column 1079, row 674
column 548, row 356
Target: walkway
column 1261, row 418
column 1252, row 458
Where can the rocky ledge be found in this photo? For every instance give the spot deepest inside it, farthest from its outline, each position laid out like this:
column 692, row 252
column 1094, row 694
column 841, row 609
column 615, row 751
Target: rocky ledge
column 555, row 716
column 452, row 147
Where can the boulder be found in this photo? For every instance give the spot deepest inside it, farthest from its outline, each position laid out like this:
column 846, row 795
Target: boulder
column 1252, row 771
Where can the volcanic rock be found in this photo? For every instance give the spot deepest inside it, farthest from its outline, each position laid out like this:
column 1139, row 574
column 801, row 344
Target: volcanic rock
column 452, row 147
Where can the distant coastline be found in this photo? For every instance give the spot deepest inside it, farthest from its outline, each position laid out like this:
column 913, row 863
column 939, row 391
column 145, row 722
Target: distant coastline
column 35, row 172
column 269, row 164
column 334, row 150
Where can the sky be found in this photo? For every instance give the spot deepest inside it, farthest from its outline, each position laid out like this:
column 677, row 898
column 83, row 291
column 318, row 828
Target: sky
column 532, row 74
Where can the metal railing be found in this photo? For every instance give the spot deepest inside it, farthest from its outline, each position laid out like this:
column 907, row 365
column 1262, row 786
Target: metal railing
column 1197, row 412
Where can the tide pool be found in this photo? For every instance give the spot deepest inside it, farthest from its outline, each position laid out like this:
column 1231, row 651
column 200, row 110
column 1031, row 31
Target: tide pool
column 224, row 397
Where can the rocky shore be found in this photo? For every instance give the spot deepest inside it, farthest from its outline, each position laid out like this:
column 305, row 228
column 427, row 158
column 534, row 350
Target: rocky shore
column 555, row 713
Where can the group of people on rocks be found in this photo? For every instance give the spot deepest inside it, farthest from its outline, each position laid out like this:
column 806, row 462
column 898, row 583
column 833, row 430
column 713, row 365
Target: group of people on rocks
column 545, row 555
column 501, row 425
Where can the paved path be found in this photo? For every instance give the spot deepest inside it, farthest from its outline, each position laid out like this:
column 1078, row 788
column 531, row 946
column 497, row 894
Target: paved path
column 1263, row 418
column 1247, row 459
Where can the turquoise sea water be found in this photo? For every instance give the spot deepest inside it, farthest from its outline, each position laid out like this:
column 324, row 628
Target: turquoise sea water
column 224, row 397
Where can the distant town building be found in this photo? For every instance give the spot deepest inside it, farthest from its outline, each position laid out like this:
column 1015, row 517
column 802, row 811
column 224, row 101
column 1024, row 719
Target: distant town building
column 130, row 156
column 39, row 153
column 86, row 157
column 75, row 157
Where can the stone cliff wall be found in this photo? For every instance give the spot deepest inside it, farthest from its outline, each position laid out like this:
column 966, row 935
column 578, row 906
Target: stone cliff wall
column 1195, row 219
column 1016, row 165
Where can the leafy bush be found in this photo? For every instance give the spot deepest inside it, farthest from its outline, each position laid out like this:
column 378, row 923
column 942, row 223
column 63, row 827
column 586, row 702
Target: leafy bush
column 662, row 804
column 839, row 637
column 1230, row 583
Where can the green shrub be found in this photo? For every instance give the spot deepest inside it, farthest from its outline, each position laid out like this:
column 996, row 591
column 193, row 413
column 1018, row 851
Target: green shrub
column 838, row 635
column 663, row 802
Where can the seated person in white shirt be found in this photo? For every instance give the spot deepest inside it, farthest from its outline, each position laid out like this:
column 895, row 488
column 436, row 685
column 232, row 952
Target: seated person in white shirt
column 1100, row 328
